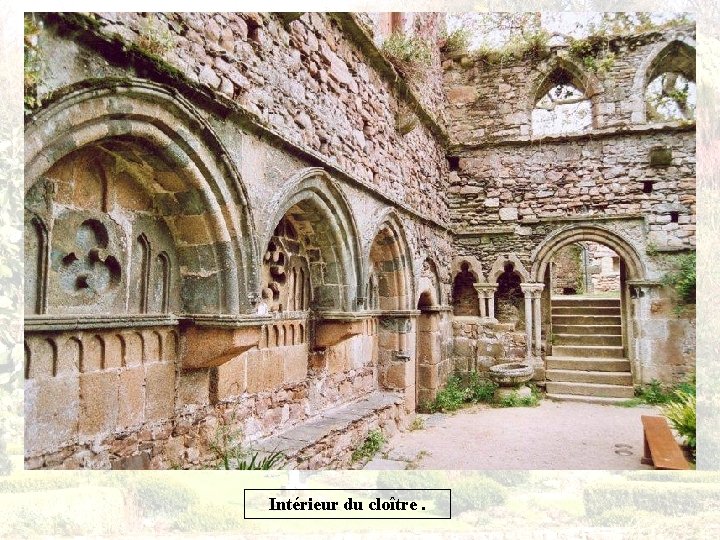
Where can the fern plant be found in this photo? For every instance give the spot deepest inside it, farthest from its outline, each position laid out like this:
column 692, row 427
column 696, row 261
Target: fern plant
column 682, row 417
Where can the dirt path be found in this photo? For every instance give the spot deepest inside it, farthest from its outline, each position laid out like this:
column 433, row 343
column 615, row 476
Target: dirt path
column 554, row 435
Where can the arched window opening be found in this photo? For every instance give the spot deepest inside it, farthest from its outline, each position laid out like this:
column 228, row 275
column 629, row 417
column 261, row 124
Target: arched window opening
column 671, row 93
column 465, row 298
column 561, row 106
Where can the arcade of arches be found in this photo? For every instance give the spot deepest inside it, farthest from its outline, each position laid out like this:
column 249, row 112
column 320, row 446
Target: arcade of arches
column 255, row 242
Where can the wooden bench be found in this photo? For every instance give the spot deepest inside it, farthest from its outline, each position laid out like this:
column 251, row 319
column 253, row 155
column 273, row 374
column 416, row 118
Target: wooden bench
column 661, row 449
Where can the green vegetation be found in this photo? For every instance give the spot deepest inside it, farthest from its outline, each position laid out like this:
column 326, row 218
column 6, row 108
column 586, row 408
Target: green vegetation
column 154, row 41
column 682, row 415
column 683, row 279
column 476, row 492
column 521, row 47
column 370, row 446
column 514, row 400
column 456, row 42
column 657, row 393
column 668, row 498
column 231, row 455
column 411, row 55
column 457, row 394
column 417, row 424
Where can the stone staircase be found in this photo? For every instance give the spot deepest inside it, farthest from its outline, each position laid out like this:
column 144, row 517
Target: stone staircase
column 588, row 362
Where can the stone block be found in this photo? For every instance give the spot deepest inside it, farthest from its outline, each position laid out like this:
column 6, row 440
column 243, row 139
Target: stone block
column 231, row 378
column 337, row 359
column 99, row 403
column 265, row 370
column 52, row 410
column 296, row 364
column 428, row 377
column 194, row 387
column 159, row 391
column 460, row 95
column 509, row 213
column 131, row 411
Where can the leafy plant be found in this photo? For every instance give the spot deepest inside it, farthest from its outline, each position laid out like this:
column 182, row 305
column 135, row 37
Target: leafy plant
column 654, row 393
column 682, row 416
column 449, row 398
column 370, row 446
column 683, row 279
column 480, row 390
column 417, row 424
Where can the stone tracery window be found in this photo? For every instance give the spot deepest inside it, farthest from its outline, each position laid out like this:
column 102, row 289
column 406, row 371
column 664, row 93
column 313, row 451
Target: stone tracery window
column 561, row 105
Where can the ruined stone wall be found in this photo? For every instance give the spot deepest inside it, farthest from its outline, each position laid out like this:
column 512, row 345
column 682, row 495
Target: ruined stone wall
column 514, row 185
column 492, row 101
column 248, row 120
column 306, row 80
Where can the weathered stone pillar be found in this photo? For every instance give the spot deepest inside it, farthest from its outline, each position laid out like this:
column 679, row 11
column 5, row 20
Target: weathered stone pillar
column 528, row 317
column 533, row 318
column 537, row 318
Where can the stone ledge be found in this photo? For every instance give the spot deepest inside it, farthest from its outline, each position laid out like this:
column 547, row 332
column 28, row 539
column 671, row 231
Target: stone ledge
column 603, row 133
column 299, row 443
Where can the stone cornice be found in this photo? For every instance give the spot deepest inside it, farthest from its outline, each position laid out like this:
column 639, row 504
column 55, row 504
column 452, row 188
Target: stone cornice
column 63, row 323
column 604, row 133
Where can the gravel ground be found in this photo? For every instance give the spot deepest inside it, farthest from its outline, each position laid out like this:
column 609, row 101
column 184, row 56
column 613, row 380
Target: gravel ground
column 554, row 435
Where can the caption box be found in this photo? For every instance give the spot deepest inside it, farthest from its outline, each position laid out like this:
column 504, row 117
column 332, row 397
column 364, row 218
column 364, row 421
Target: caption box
column 347, row 503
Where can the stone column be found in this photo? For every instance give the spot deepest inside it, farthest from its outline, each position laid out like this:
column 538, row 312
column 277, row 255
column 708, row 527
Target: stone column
column 537, row 318
column 532, row 315
column 486, row 297
column 527, row 291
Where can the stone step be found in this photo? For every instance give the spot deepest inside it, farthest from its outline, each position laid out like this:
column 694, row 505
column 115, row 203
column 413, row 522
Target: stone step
column 612, row 320
column 599, row 377
column 586, row 399
column 586, row 310
column 590, row 389
column 588, row 351
column 587, row 364
column 613, row 330
column 584, row 301
column 587, row 339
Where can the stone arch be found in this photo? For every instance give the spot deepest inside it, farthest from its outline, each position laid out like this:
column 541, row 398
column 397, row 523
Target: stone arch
column 388, row 257
column 543, row 254
column 563, row 70
column 502, row 261
column 474, row 267
column 676, row 54
column 145, row 115
column 315, row 206
column 428, row 288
